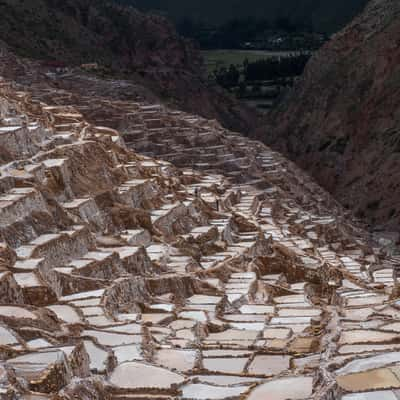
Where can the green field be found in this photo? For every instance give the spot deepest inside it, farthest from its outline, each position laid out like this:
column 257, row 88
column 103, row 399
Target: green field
column 224, row 58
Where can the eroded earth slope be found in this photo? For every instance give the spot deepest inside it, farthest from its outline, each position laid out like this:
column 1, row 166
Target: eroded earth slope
column 221, row 272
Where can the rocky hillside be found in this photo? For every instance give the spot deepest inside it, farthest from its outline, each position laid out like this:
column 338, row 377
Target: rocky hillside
column 142, row 47
column 342, row 121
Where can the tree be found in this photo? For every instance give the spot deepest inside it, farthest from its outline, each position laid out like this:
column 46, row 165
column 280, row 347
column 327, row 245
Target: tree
column 227, row 77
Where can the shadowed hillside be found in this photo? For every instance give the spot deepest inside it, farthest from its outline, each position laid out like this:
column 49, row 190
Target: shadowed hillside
column 342, row 121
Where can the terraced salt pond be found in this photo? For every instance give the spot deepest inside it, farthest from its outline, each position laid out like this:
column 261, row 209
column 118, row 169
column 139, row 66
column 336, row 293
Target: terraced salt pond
column 240, row 280
column 132, row 375
column 296, row 388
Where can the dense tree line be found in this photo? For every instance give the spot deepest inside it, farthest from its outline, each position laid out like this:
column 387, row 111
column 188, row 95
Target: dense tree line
column 269, row 69
column 275, row 68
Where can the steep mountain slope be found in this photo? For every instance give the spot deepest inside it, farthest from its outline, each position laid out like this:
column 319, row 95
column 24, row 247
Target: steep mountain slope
column 342, row 121
column 326, row 15
column 143, row 47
